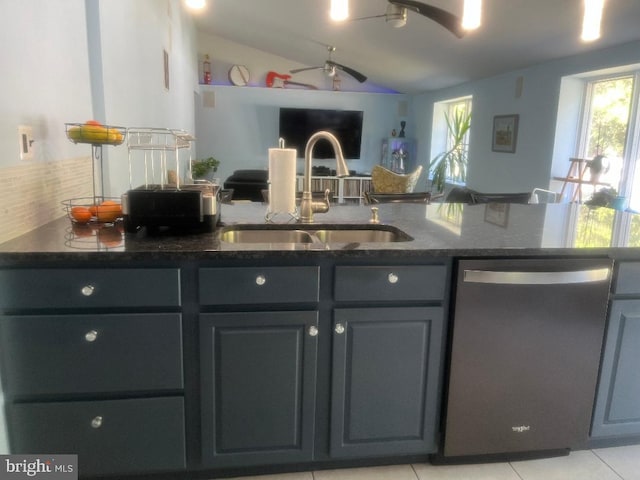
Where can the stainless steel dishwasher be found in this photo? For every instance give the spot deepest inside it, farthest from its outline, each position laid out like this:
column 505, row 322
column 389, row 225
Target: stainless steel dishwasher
column 525, row 351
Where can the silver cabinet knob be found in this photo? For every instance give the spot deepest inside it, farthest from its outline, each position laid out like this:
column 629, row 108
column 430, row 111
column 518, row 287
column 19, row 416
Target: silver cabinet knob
column 96, row 422
column 313, row 331
column 339, row 328
column 87, row 290
column 261, row 280
column 91, row 336
column 393, row 278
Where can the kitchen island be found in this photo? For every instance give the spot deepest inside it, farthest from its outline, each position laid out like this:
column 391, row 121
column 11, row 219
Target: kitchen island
column 184, row 354
column 438, row 230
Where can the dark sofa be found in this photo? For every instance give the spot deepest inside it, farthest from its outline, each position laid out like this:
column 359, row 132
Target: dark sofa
column 248, row 184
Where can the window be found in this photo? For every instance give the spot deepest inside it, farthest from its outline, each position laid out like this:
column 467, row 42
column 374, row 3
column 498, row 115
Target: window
column 610, row 129
column 445, row 138
column 610, row 126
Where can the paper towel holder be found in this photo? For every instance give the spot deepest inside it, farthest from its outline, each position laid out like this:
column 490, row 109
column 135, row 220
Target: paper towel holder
column 271, row 214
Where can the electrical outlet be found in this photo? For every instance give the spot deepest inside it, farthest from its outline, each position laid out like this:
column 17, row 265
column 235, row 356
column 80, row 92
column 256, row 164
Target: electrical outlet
column 25, row 141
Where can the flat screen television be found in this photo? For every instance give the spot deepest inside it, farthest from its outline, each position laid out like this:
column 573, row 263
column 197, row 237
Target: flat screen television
column 298, row 124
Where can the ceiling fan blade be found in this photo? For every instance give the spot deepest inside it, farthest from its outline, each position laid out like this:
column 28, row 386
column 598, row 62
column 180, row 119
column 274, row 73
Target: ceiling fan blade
column 296, row 70
column 355, row 74
column 448, row 20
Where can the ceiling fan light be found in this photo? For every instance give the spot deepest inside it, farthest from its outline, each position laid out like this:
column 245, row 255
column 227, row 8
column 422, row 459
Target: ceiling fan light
column 591, row 20
column 472, row 14
column 339, row 10
column 396, row 16
column 196, row 4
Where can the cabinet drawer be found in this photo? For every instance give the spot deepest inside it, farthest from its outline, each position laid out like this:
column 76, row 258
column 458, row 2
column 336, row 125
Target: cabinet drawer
column 114, row 436
column 390, row 283
column 55, row 354
column 251, row 285
column 628, row 281
column 89, row 288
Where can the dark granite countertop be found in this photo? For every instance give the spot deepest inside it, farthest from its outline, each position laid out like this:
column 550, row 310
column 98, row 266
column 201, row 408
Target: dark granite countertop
column 438, row 230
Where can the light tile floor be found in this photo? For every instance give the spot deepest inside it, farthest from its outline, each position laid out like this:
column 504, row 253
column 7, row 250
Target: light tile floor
column 618, row 463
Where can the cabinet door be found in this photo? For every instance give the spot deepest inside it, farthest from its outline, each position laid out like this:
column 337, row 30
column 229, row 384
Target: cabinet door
column 385, row 381
column 258, row 387
column 617, row 410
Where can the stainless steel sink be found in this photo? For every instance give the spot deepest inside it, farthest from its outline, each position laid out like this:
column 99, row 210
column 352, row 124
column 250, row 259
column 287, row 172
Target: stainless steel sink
column 318, row 234
column 262, row 235
column 361, row 236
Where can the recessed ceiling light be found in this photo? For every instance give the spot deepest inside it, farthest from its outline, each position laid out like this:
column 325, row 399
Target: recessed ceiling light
column 591, row 20
column 472, row 14
column 196, row 4
column 339, row 10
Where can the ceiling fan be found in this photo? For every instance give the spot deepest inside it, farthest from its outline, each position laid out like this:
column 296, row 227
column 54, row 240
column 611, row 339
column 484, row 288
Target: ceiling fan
column 396, row 15
column 330, row 67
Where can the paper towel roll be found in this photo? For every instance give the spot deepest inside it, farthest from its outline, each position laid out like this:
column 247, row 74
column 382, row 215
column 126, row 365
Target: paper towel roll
column 282, row 180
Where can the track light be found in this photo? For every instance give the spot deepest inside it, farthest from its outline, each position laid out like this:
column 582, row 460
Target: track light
column 591, row 20
column 472, row 14
column 339, row 10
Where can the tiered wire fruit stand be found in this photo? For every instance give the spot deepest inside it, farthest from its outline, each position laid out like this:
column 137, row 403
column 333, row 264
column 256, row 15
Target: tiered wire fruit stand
column 93, row 219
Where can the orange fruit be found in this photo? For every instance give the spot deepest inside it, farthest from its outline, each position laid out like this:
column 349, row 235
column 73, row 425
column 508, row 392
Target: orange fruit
column 93, row 122
column 108, row 211
column 81, row 214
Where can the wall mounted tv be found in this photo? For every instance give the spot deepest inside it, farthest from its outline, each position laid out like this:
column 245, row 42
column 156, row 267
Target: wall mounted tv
column 298, row 124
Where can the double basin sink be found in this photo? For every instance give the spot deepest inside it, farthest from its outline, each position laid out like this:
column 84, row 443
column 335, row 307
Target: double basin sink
column 312, row 234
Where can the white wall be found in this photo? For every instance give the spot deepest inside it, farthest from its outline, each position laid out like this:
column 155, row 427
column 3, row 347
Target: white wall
column 134, row 35
column 243, row 124
column 44, row 81
column 74, row 60
column 533, row 163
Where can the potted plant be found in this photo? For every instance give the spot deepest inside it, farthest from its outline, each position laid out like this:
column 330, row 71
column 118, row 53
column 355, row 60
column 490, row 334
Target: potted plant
column 452, row 163
column 200, row 168
column 605, row 197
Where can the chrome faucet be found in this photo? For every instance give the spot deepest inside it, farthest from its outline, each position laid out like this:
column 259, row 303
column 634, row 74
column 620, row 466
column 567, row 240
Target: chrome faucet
column 308, row 206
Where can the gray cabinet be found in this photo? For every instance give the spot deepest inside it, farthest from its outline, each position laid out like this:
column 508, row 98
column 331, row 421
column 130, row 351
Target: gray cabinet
column 258, row 387
column 77, row 288
column 386, row 371
column 617, row 409
column 258, row 368
column 91, row 354
column 282, row 364
column 385, row 383
column 397, row 283
column 258, row 285
column 129, row 435
column 92, row 364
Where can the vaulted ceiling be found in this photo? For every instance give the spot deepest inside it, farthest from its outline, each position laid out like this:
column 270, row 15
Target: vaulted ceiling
column 422, row 55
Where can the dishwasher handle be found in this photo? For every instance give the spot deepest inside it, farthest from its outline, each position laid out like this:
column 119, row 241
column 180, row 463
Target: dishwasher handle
column 536, row 278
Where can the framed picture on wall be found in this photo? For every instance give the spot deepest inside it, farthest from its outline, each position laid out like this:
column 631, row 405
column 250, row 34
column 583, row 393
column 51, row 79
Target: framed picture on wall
column 505, row 133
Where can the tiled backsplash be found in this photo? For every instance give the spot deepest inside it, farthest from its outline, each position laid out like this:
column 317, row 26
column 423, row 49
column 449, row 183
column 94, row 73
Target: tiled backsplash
column 32, row 194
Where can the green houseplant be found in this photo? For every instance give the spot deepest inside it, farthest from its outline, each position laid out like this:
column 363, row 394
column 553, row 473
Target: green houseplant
column 200, row 168
column 452, row 163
